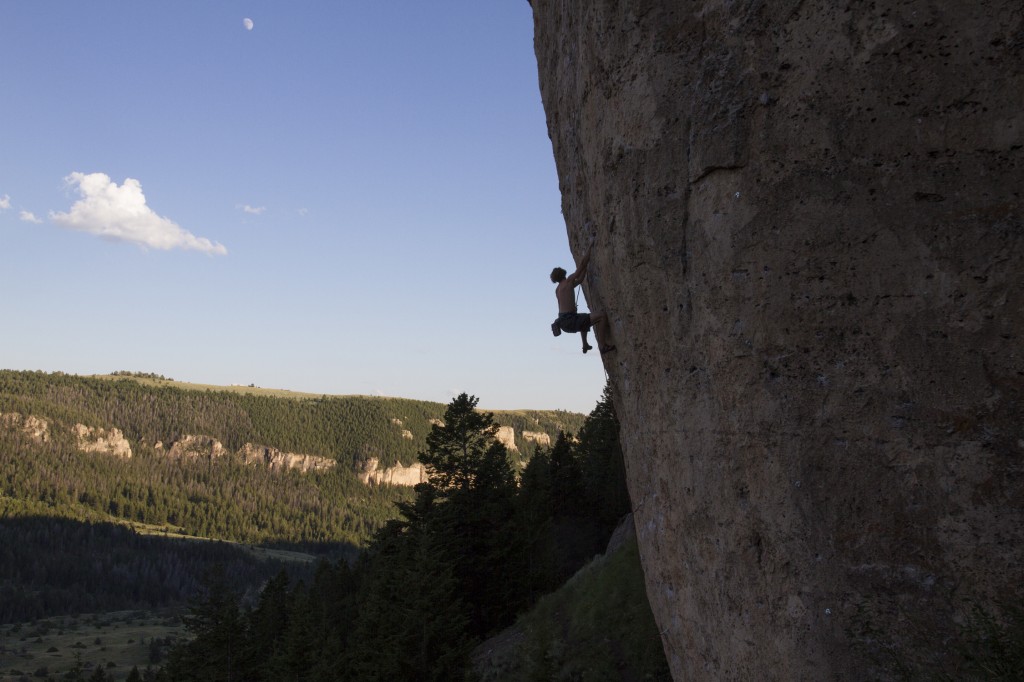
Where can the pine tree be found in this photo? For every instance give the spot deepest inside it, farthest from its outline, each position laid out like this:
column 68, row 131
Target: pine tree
column 534, row 511
column 294, row 657
column 602, row 467
column 268, row 621
column 566, row 479
column 456, row 448
column 472, row 480
column 216, row 654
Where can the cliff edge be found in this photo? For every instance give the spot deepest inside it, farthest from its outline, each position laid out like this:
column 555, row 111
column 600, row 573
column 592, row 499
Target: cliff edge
column 810, row 244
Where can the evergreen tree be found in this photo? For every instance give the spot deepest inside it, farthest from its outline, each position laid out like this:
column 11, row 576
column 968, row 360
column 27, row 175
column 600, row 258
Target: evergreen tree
column 216, row 652
column 293, row 659
column 566, row 478
column 571, row 498
column 447, row 573
column 268, row 621
column 456, row 448
column 336, row 587
column 472, row 480
column 534, row 511
column 380, row 637
column 602, row 467
column 486, row 544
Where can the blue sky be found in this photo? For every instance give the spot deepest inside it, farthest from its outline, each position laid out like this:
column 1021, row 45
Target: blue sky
column 351, row 197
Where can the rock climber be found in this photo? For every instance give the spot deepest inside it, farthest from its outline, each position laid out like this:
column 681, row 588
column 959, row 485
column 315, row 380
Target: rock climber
column 571, row 321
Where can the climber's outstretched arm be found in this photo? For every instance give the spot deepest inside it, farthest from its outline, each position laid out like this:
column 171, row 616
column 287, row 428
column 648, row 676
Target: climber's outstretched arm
column 577, row 277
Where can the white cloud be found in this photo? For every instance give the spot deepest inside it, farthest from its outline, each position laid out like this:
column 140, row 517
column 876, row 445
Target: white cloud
column 255, row 210
column 5, row 202
column 247, row 22
column 303, row 211
column 29, row 217
column 120, row 213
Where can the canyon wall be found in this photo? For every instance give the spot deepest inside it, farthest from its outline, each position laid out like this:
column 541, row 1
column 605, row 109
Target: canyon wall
column 810, row 245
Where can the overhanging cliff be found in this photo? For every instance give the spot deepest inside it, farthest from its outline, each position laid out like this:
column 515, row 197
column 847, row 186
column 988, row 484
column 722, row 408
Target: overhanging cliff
column 810, row 244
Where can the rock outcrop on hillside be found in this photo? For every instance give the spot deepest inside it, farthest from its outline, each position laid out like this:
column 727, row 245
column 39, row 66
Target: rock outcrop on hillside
column 276, row 460
column 538, row 437
column 395, row 475
column 506, row 435
column 35, row 428
column 810, row 244
column 103, row 441
column 192, row 447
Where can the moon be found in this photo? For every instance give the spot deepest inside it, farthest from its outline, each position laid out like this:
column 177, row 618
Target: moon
column 247, row 22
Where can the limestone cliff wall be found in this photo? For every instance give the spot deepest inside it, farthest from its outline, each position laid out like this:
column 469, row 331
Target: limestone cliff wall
column 810, row 244
column 104, row 441
column 276, row 460
column 398, row 474
column 32, row 426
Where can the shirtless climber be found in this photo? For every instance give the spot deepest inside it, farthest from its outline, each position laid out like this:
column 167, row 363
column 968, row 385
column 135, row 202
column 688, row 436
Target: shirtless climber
column 571, row 321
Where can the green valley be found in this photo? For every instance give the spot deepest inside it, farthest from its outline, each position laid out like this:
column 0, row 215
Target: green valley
column 106, row 455
column 238, row 519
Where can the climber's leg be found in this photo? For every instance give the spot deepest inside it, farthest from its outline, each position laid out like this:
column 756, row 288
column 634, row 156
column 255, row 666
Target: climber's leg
column 583, row 335
column 602, row 332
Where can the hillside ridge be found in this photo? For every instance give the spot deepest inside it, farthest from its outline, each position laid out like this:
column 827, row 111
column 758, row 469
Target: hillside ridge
column 155, row 412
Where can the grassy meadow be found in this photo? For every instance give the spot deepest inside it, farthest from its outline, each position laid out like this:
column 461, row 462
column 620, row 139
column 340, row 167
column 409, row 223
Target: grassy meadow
column 115, row 641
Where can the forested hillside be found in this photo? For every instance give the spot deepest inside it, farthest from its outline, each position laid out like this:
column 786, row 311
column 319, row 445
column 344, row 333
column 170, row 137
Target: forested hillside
column 55, row 566
column 46, row 475
column 475, row 548
column 348, row 429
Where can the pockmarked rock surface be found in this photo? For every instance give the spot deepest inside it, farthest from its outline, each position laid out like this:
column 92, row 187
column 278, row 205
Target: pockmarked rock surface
column 810, row 244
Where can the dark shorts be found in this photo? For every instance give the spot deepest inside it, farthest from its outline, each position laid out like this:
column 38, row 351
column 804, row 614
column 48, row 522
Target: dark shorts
column 574, row 322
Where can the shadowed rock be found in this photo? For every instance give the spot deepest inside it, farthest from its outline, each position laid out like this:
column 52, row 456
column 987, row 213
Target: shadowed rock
column 810, row 244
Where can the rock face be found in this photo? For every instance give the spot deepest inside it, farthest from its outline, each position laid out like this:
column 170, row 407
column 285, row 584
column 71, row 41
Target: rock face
column 277, row 460
column 538, row 437
column 35, row 428
column 810, row 244
column 192, row 447
column 196, row 447
column 396, row 475
column 506, row 435
column 103, row 441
